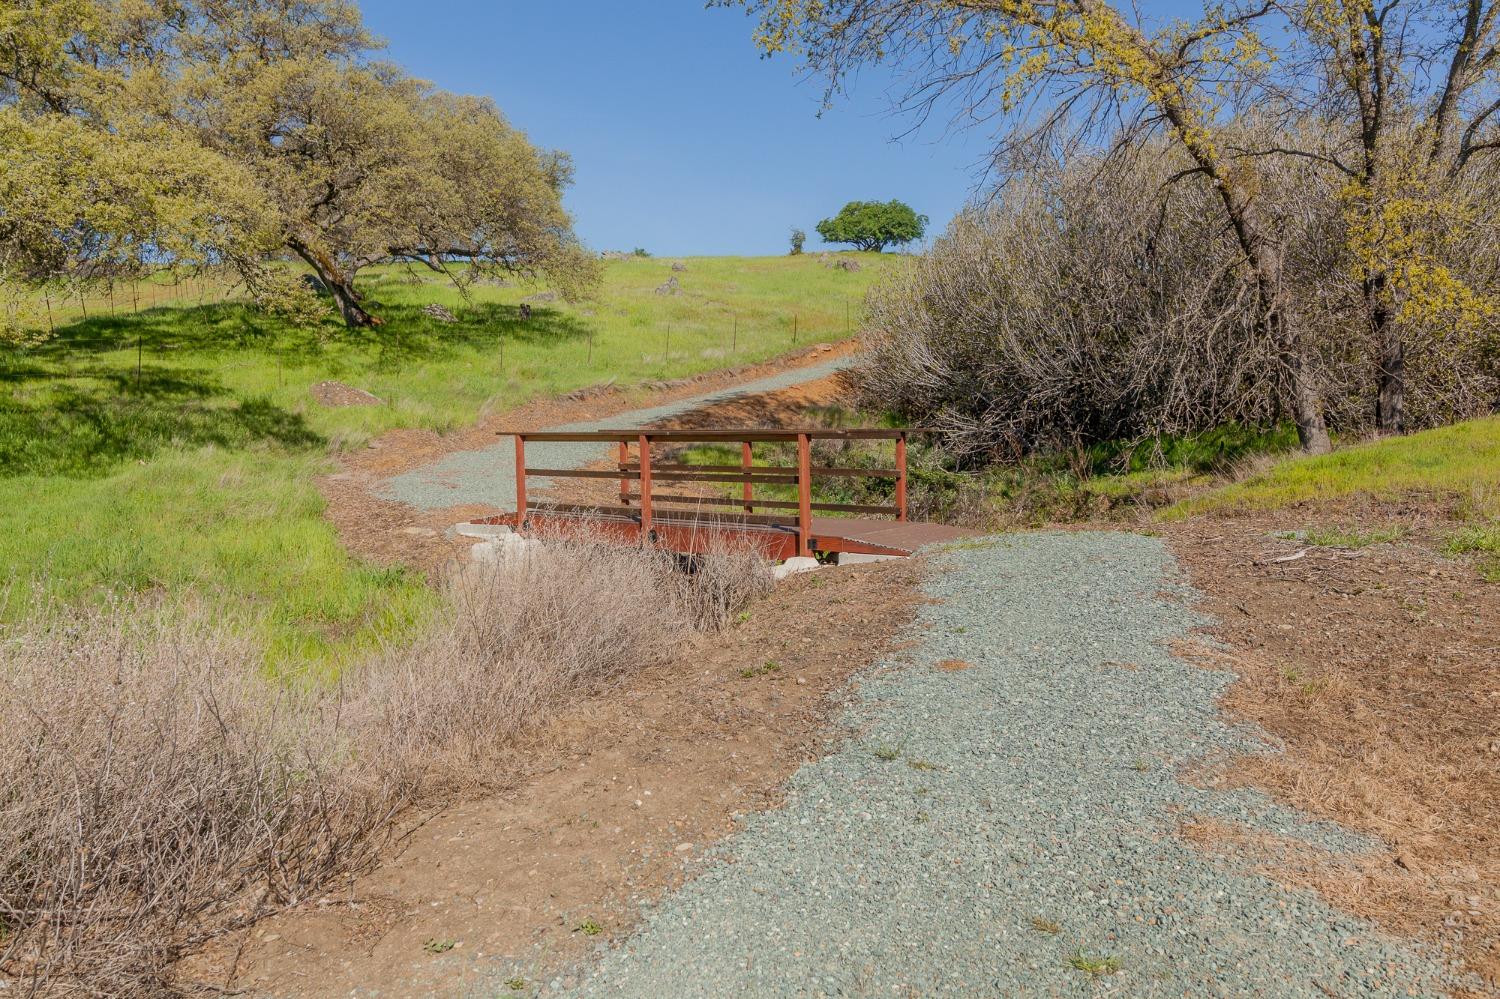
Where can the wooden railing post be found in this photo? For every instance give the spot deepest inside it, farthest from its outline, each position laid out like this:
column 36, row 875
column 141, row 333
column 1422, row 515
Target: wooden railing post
column 745, row 454
column 901, row 477
column 624, row 481
column 520, row 479
column 644, row 443
column 804, row 495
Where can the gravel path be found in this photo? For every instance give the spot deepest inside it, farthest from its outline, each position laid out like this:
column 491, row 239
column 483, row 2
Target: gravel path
column 1037, row 785
column 488, row 475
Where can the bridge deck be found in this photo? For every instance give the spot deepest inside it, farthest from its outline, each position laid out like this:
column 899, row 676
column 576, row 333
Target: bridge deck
column 698, row 532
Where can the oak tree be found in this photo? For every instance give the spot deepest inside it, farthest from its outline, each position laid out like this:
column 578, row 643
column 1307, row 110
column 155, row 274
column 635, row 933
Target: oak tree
column 874, row 225
column 279, row 110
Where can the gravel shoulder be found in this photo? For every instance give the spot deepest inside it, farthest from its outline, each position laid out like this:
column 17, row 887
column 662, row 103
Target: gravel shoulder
column 1005, row 817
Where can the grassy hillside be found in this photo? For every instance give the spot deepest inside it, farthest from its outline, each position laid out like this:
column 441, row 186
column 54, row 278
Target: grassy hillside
column 173, row 449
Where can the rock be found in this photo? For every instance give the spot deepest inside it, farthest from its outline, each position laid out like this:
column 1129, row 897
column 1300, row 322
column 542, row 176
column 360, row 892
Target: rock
column 504, row 548
column 671, row 287
column 541, row 296
column 792, row 566
column 439, row 313
column 859, row 558
column 679, row 266
column 848, row 265
column 468, row 530
column 339, row 394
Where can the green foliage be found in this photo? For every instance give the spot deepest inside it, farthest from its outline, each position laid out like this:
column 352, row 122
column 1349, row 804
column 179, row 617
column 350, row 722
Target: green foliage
column 873, row 225
column 798, row 239
column 1457, row 460
column 227, row 129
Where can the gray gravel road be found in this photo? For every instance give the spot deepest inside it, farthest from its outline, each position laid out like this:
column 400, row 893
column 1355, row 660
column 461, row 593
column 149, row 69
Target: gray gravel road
column 488, row 475
column 1038, row 785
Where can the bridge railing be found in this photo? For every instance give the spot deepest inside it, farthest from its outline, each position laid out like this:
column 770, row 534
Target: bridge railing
column 639, row 475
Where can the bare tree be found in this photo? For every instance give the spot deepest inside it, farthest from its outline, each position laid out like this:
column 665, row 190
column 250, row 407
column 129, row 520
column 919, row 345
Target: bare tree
column 1037, row 67
column 1419, row 85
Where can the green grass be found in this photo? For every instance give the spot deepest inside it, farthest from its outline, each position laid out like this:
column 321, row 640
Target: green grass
column 243, row 531
column 1460, row 460
column 751, row 672
column 1352, row 537
column 1094, row 965
column 1482, row 543
column 173, row 450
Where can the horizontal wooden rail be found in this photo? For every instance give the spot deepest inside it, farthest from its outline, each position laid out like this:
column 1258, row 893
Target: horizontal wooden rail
column 634, row 475
column 657, row 469
column 775, row 504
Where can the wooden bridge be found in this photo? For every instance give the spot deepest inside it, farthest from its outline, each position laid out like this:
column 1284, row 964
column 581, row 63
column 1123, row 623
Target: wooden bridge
column 682, row 523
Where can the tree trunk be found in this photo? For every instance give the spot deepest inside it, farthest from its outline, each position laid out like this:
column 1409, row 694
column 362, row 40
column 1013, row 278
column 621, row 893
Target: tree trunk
column 340, row 285
column 1307, row 409
column 1304, row 396
column 1390, row 392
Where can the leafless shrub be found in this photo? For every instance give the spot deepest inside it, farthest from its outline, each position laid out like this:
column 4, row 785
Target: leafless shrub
column 521, row 635
column 1099, row 299
column 158, row 789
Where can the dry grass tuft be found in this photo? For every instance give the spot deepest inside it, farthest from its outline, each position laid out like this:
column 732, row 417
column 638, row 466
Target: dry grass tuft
column 159, row 790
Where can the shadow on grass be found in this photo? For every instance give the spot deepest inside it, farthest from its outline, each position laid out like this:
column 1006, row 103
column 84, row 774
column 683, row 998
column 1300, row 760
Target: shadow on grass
column 76, row 406
column 118, row 388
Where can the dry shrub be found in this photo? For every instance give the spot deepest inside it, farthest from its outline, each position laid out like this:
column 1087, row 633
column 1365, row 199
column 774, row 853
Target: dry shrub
column 1102, row 298
column 522, row 635
column 156, row 791
column 159, row 789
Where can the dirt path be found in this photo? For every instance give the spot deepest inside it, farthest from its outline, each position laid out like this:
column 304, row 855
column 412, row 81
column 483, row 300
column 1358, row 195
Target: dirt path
column 1014, row 805
column 615, row 802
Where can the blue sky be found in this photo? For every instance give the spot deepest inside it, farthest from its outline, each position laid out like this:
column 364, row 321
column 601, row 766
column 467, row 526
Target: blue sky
column 685, row 140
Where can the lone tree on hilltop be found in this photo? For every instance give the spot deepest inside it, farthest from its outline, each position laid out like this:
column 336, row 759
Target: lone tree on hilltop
column 873, row 225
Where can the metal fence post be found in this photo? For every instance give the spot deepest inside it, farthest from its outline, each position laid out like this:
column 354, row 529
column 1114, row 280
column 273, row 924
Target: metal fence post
column 901, row 477
column 745, row 456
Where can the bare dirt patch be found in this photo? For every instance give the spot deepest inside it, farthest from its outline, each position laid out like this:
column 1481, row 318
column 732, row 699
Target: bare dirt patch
column 618, row 796
column 339, row 394
column 1377, row 668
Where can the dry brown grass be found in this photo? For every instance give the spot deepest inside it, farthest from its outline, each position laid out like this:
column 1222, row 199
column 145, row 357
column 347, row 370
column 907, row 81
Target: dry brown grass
column 158, row 790
column 1377, row 673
